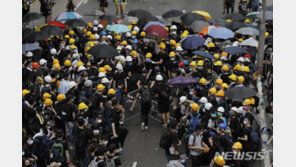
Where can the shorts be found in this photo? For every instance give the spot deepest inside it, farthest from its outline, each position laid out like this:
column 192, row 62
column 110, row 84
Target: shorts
column 163, row 107
column 120, row 2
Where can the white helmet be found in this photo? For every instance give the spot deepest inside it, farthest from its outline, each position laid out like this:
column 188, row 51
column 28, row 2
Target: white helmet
column 128, row 47
column 121, row 58
column 118, row 48
column 208, row 106
column 75, row 55
column 109, row 37
column 48, row 78
column 223, row 58
column 235, row 109
column 220, row 109
column 29, row 54
column 136, row 29
column 241, row 110
column 179, row 48
column 68, row 47
column 100, row 26
column 81, row 68
column 159, row 77
column 102, row 74
column 241, row 59
column 128, row 34
column 88, row 83
column 203, row 100
column 97, row 36
column 173, row 27
column 129, row 58
column 72, row 84
column 95, row 29
column 105, row 80
column 96, row 22
column 119, row 66
column 53, row 51
column 42, row 62
column 246, row 60
column 182, row 99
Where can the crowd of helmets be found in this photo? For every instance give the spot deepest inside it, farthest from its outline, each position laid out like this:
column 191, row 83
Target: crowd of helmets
column 63, row 77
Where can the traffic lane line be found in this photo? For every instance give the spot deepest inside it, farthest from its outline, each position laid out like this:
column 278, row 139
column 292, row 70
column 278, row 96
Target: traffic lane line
column 34, row 4
column 135, row 164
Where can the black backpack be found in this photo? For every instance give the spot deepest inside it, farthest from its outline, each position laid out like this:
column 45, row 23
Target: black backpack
column 164, row 141
column 57, row 150
column 146, row 95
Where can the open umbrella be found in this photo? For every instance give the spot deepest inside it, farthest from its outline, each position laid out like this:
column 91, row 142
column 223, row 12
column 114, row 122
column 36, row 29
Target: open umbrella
column 192, row 41
column 221, row 33
column 248, row 31
column 235, row 25
column 75, row 23
column 182, row 81
column 26, row 31
column 235, row 17
column 68, row 15
column 157, row 31
column 128, row 20
column 235, row 50
column 29, row 46
column 30, row 17
column 204, row 54
column 197, row 26
column 165, row 22
column 143, row 20
column 150, row 23
column 240, row 93
column 103, row 51
column 250, row 42
column 172, row 13
column 138, row 13
column 56, row 23
column 206, row 15
column 37, row 36
column 252, row 26
column 268, row 15
column 109, row 17
column 52, row 30
column 118, row 28
column 189, row 18
column 218, row 22
column 252, row 15
column 207, row 29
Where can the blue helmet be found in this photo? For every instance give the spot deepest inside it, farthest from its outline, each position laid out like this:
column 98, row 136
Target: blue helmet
column 103, row 33
column 135, row 41
column 186, row 62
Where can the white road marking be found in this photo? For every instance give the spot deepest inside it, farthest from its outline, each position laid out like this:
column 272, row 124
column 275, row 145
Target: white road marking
column 85, row 1
column 79, row 4
column 135, row 164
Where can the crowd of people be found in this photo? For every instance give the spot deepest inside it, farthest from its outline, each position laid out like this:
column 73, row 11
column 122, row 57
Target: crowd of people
column 72, row 100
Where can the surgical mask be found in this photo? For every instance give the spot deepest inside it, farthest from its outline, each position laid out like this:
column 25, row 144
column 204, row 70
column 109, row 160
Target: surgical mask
column 133, row 37
column 148, row 60
column 200, row 67
column 183, row 161
column 180, row 69
column 30, row 142
column 119, row 51
column 213, row 115
column 99, row 121
column 63, row 46
column 23, row 153
column 219, row 114
column 172, row 58
column 191, row 93
column 105, row 143
column 217, row 99
column 245, row 122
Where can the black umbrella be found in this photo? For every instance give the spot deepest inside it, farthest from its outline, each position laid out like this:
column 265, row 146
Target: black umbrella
column 235, row 17
column 75, row 23
column 145, row 19
column 189, row 18
column 197, row 26
column 31, row 16
column 235, row 50
column 108, row 17
column 234, row 25
column 37, row 36
column 172, row 13
column 52, row 30
column 218, row 22
column 103, row 51
column 26, row 31
column 138, row 13
column 240, row 93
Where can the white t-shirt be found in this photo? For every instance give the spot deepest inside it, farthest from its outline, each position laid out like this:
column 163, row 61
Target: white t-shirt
column 197, row 143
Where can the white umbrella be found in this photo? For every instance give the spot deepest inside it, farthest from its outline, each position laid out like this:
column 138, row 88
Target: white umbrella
column 128, row 20
column 250, row 42
column 248, row 31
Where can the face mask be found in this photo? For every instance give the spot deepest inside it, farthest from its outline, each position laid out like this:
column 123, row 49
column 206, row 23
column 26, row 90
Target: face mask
column 183, row 161
column 234, row 151
column 219, row 114
column 99, row 121
column 23, row 153
column 217, row 99
column 119, row 51
column 172, row 58
column 105, row 143
column 148, row 60
column 30, row 142
column 133, row 37
column 191, row 93
column 213, row 115
column 200, row 67
column 180, row 69
column 245, row 122
column 63, row 47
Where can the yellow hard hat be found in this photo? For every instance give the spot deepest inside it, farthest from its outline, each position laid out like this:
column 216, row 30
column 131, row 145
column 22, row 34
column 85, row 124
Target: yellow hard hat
column 58, row 83
column 237, row 145
column 247, row 21
column 220, row 93
column 134, row 33
column 130, row 27
column 224, row 54
column 104, row 37
column 200, row 63
column 71, row 41
column 67, row 63
column 213, row 90
column 202, row 81
column 172, row 42
column 218, row 63
column 167, row 28
column 219, row 81
column 211, row 45
column 186, row 32
column 246, row 69
column 194, row 106
column 88, row 33
column 84, row 30
column 232, row 77
column 217, row 56
column 71, row 32
column 183, row 35
column 177, row 44
column 252, row 101
column 92, row 36
column 143, row 34
column 219, row 160
column 111, row 91
column 100, row 87
column 237, row 67
column 88, row 55
column 67, row 36
column 89, row 24
column 228, row 20
column 193, row 63
column 225, row 85
column 149, row 55
column 133, row 22
column 162, row 45
column 80, row 63
column 55, row 61
column 56, row 66
column 240, row 40
column 246, row 102
column 118, row 37
column 46, row 96
column 72, row 47
column 266, row 34
column 48, row 102
column 107, row 67
column 225, row 68
column 172, row 54
column 102, row 69
column 123, row 43
column 82, row 106
column 61, row 97
column 134, row 53
column 241, row 79
column 24, row 92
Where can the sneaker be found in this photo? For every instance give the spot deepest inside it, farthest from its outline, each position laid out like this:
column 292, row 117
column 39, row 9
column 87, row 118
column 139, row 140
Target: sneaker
column 120, row 150
column 146, row 127
column 165, row 125
column 142, row 126
column 168, row 121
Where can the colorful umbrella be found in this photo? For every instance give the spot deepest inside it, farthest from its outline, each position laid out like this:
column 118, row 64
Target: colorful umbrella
column 68, row 15
column 182, row 81
column 206, row 15
column 235, row 50
column 118, row 28
column 157, row 31
column 105, row 23
column 204, row 54
column 172, row 13
column 56, row 23
column 221, row 33
column 207, row 29
column 39, row 27
column 192, row 41
column 150, row 23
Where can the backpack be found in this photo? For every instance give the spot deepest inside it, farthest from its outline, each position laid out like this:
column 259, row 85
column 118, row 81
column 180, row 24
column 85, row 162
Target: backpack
column 145, row 95
column 164, row 141
column 255, row 140
column 57, row 150
column 43, row 146
column 107, row 122
column 95, row 162
column 193, row 122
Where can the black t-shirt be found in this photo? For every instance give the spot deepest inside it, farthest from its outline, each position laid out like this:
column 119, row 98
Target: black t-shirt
column 69, row 109
column 132, row 82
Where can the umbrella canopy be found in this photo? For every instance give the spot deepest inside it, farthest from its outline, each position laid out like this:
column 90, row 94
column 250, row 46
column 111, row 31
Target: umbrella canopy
column 252, row 26
column 29, row 46
column 172, row 13
column 30, row 17
column 157, row 31
column 240, row 93
column 150, row 23
column 218, row 22
column 189, row 18
column 143, row 20
column 207, row 29
column 252, row 15
column 118, row 28
column 181, row 81
column 198, row 26
column 37, row 36
column 163, row 21
column 204, row 54
column 26, row 31
column 103, row 51
column 56, row 23
column 206, row 15
column 235, row 50
column 250, row 42
column 234, row 25
column 109, row 17
column 52, row 30
column 248, row 31
column 268, row 15
column 68, row 15
column 192, row 41
column 139, row 13
column 221, row 33
column 128, row 20
column 235, row 17
column 75, row 23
